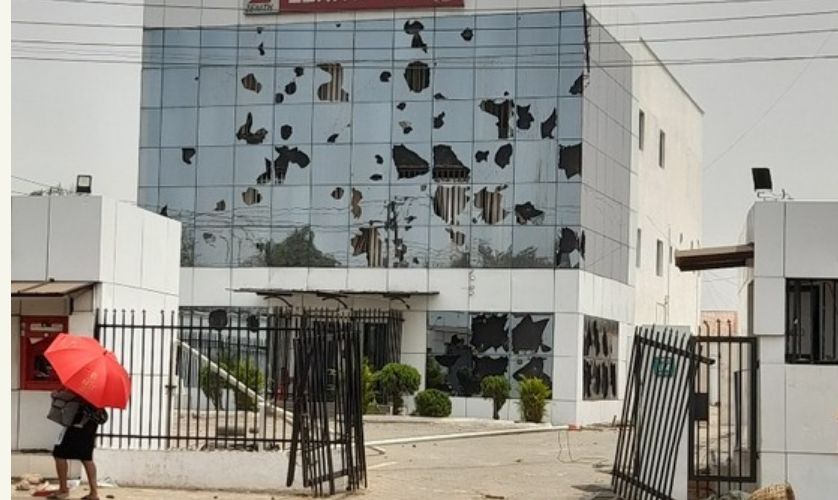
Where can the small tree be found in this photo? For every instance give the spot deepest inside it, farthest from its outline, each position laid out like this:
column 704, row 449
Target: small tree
column 398, row 380
column 534, row 396
column 495, row 387
column 433, row 403
column 214, row 383
column 367, row 385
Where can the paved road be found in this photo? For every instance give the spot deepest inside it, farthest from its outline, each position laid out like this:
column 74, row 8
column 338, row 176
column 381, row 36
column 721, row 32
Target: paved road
column 561, row 465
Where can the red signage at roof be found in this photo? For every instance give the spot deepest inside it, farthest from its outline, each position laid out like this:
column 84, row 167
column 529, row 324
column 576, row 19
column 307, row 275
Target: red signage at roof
column 343, row 5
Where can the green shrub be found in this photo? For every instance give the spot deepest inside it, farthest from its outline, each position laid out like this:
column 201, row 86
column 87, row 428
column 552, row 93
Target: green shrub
column 433, row 403
column 367, row 386
column 214, row 384
column 434, row 376
column 534, row 396
column 397, row 380
column 495, row 387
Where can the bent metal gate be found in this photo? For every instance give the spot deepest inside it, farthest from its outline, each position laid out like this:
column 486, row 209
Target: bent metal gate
column 659, row 385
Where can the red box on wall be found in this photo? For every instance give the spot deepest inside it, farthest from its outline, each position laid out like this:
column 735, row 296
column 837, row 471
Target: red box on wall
column 36, row 335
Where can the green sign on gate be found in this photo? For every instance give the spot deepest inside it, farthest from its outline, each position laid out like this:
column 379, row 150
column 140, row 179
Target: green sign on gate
column 663, row 366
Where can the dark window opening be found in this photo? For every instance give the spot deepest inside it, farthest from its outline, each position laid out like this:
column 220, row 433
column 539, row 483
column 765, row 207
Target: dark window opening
column 641, row 130
column 659, row 259
column 811, row 322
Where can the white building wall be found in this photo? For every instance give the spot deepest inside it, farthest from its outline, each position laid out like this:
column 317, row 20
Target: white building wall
column 798, row 430
column 132, row 254
column 668, row 203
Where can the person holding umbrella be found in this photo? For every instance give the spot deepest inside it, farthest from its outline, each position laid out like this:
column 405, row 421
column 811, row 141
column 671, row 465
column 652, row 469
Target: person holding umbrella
column 93, row 379
column 76, row 442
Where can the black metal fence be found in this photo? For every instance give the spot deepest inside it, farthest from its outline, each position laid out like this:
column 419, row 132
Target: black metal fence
column 208, row 379
column 723, row 417
column 661, row 374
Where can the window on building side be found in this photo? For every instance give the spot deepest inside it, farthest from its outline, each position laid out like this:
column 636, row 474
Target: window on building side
column 659, row 259
column 811, row 321
column 641, row 129
column 638, row 251
column 662, row 150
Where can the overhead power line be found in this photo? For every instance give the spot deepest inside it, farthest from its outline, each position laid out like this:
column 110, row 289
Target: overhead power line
column 685, row 39
column 616, row 5
column 290, row 27
column 24, row 179
column 370, row 64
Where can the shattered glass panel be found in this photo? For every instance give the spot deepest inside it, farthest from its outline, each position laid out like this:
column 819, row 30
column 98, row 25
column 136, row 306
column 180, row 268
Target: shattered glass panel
column 466, row 348
column 252, row 164
column 412, row 121
column 251, row 206
column 374, row 75
column 535, row 205
column 255, row 85
column 452, row 121
column 177, row 203
column 532, row 247
column 411, row 206
column 174, row 171
column 449, row 247
column 491, row 247
column 451, row 205
column 249, row 246
column 570, row 247
column 600, row 358
column 214, row 206
column 522, row 367
column 371, row 164
column 294, row 83
column 211, row 246
column 327, row 210
column 492, row 162
column 332, row 123
column 409, row 246
column 292, row 124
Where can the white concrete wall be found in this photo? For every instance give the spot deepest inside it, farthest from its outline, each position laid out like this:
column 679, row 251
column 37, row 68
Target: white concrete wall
column 798, row 430
column 668, row 200
column 197, row 469
column 132, row 253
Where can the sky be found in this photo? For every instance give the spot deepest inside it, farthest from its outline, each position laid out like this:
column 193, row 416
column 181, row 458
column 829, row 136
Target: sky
column 780, row 114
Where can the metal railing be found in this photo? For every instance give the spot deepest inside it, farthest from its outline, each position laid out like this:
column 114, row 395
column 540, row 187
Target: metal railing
column 205, row 379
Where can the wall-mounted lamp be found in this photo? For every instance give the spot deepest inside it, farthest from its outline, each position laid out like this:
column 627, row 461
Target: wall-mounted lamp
column 764, row 187
column 84, row 184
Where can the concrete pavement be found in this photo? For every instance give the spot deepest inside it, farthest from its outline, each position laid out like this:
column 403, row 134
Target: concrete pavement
column 553, row 464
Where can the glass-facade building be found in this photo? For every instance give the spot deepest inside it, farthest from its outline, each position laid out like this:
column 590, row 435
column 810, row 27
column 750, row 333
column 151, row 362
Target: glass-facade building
column 456, row 141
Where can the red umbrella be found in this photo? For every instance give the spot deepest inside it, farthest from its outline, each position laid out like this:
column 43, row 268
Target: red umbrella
column 89, row 370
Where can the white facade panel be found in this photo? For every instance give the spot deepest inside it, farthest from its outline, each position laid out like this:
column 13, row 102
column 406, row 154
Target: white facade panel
column 532, row 290
column 454, row 287
column 769, row 229
column 74, row 238
column 807, row 473
column 492, row 290
column 125, row 247
column 811, row 240
column 367, row 279
column 769, row 306
column 808, row 407
column 30, row 228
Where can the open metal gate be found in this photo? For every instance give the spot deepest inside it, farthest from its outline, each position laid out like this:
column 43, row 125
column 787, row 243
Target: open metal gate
column 660, row 379
column 723, row 417
column 328, row 430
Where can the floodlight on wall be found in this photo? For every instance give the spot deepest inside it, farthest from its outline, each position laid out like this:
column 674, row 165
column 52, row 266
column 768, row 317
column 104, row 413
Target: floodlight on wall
column 763, row 186
column 84, row 184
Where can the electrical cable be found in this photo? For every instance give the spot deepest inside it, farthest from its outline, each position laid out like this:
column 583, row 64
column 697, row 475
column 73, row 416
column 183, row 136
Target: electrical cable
column 749, row 17
column 17, row 177
column 710, row 38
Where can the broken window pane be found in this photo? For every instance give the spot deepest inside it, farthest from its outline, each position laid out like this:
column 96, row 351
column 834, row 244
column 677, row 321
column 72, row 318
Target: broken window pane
column 292, row 124
column 173, row 170
column 255, row 85
column 600, row 352
column 210, row 246
column 251, row 165
column 214, row 206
